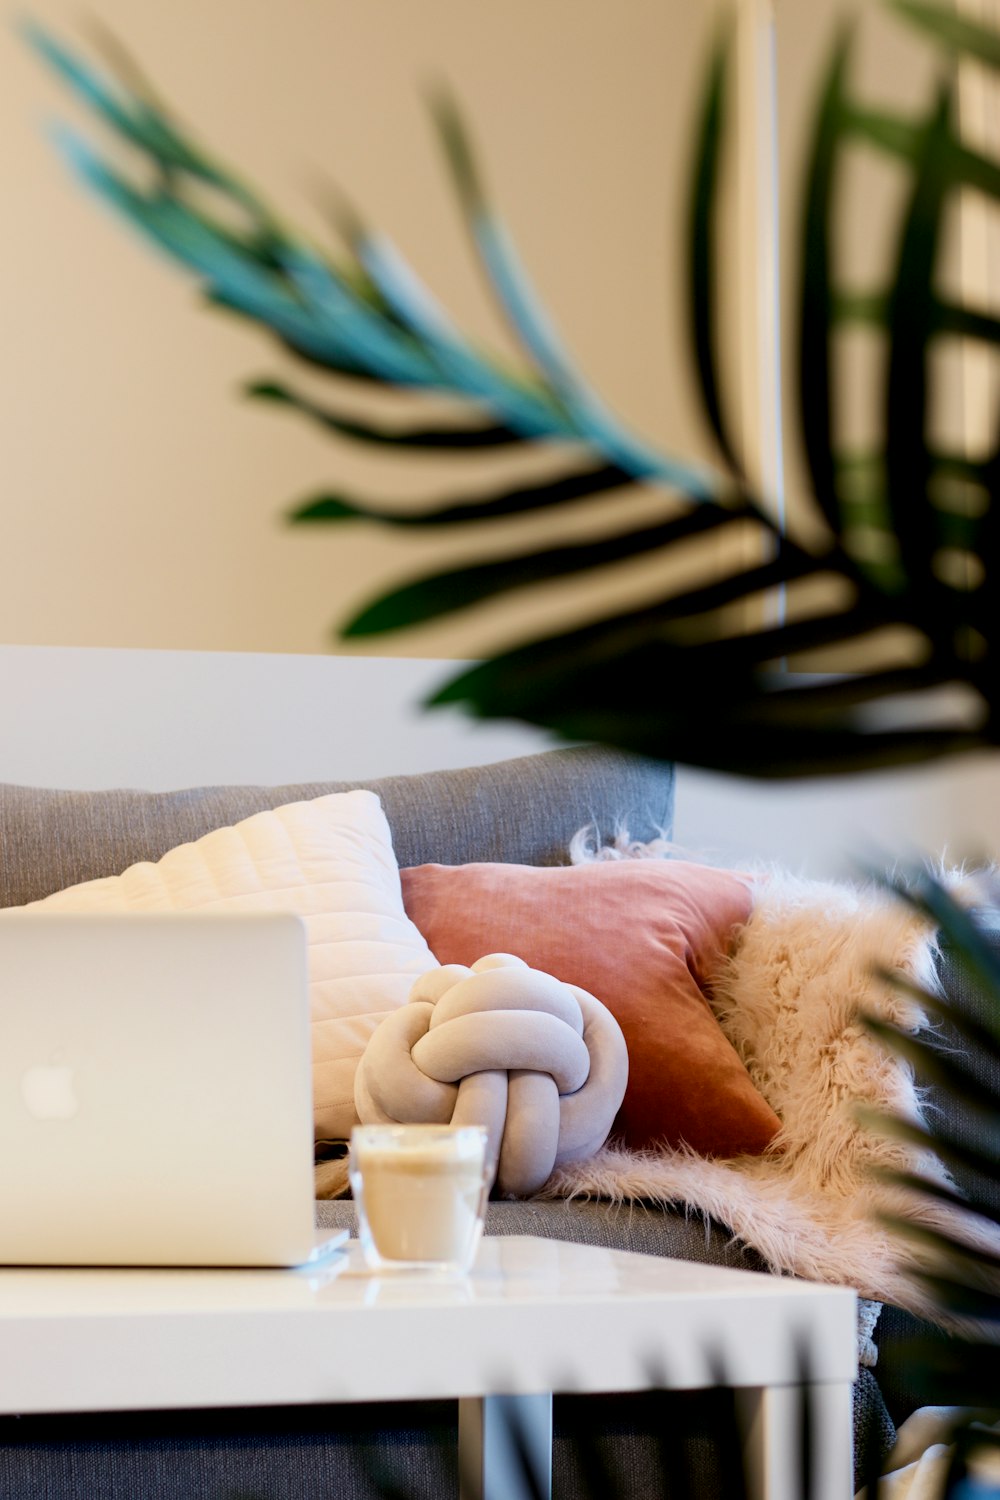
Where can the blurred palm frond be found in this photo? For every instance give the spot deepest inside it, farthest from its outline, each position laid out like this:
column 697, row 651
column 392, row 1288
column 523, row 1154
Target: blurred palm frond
column 958, row 1261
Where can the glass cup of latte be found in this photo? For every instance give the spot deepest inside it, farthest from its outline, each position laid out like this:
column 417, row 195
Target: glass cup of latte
column 421, row 1195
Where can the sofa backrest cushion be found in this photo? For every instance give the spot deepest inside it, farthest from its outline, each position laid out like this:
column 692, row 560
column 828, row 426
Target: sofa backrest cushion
column 524, row 810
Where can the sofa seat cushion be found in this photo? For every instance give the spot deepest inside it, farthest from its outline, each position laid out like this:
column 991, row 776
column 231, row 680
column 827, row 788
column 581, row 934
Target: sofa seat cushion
column 331, row 862
column 647, row 1229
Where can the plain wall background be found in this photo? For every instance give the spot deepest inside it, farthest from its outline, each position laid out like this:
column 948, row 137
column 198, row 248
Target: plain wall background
column 85, row 717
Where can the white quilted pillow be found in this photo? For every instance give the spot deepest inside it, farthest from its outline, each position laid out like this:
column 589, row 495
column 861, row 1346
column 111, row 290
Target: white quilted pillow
column 331, row 862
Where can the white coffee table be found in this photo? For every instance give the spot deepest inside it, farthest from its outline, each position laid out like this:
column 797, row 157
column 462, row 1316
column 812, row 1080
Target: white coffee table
column 535, row 1316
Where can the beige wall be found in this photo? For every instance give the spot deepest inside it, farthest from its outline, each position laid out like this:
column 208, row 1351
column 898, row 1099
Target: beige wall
column 142, row 499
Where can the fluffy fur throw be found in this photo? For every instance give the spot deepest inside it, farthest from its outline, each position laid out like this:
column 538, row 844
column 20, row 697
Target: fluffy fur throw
column 789, row 1000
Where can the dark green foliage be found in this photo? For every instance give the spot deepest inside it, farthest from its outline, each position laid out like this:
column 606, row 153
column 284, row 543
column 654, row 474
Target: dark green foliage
column 960, row 1266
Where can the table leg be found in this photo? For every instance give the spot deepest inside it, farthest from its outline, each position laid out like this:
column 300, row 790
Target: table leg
column 490, row 1429
column 772, row 1426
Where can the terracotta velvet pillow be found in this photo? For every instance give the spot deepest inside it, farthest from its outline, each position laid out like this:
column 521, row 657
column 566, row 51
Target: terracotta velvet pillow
column 644, row 937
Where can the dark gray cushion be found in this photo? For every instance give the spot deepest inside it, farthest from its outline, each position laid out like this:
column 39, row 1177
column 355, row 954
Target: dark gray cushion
column 524, row 811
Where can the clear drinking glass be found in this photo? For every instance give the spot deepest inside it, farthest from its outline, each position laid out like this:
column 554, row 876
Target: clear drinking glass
column 421, row 1194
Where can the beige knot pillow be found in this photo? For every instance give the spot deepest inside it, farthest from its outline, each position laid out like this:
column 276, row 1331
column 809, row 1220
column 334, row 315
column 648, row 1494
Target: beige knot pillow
column 542, row 1064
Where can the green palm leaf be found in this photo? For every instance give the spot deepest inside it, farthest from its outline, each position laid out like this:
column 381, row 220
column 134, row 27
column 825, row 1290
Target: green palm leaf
column 702, row 249
column 816, row 386
column 960, row 1270
column 956, row 32
column 442, row 593
column 522, row 501
column 927, row 1187
column 488, row 435
column 524, row 312
column 936, row 1066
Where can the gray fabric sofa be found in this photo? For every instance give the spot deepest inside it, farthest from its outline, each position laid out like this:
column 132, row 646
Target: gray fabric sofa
column 524, row 811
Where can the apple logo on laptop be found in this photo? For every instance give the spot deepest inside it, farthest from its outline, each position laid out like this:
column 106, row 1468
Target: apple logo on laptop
column 49, row 1092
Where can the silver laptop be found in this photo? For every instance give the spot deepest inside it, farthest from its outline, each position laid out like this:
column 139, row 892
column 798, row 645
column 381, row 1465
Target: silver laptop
column 155, row 1091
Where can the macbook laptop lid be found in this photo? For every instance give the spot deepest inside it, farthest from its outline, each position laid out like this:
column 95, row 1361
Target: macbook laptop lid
column 155, row 1090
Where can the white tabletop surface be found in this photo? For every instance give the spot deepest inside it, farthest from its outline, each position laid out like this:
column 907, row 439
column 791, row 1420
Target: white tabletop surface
column 534, row 1315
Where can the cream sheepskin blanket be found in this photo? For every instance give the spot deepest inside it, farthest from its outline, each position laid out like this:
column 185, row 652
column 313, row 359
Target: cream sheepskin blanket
column 789, row 1000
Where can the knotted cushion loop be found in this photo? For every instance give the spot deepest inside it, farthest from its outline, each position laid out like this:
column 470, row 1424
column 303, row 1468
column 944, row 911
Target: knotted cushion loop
column 542, row 1064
